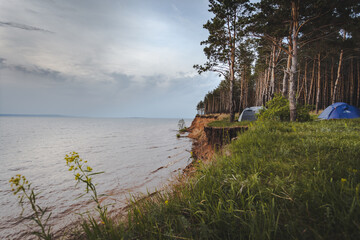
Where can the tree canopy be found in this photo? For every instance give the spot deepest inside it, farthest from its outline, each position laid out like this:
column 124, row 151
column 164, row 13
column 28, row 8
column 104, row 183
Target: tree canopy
column 307, row 50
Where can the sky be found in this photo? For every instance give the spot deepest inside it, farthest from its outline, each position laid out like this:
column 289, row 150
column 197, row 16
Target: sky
column 108, row 58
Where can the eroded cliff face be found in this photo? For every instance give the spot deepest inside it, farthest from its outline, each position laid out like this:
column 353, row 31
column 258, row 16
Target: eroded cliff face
column 201, row 148
column 207, row 139
column 218, row 136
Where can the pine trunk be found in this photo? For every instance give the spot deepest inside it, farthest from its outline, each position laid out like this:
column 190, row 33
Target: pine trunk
column 326, row 86
column 241, row 92
column 245, row 93
column 318, row 85
column 351, row 80
column 305, row 83
column 272, row 72
column 332, row 78
column 231, row 92
column 311, row 83
column 338, row 73
column 268, row 80
column 294, row 59
column 298, row 89
column 358, row 84
column 302, row 89
column 285, row 79
column 336, row 85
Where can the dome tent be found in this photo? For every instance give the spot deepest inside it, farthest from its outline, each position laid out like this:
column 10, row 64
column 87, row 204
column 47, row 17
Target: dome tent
column 249, row 114
column 340, row 110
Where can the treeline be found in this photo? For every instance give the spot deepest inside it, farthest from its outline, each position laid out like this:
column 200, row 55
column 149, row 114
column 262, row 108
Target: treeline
column 320, row 69
column 309, row 51
column 217, row 100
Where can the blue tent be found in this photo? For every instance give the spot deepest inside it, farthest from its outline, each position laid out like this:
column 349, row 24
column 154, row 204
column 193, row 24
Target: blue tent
column 340, row 110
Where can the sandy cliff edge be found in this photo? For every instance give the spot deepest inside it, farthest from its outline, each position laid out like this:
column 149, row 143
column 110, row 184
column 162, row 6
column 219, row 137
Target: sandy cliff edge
column 201, row 149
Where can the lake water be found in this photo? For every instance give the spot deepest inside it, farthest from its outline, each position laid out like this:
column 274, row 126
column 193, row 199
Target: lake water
column 137, row 155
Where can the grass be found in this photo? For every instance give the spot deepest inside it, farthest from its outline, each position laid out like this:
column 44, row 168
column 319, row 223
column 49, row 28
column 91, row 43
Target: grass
column 183, row 130
column 282, row 181
column 224, row 121
column 227, row 123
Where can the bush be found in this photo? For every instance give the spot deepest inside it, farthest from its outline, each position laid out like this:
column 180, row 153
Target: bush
column 303, row 113
column 182, row 127
column 278, row 109
column 181, row 124
column 183, row 130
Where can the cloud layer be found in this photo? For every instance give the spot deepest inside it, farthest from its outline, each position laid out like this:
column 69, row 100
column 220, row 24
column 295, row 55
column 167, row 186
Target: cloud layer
column 102, row 58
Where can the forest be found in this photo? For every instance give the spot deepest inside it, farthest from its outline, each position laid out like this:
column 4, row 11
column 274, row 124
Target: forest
column 308, row 51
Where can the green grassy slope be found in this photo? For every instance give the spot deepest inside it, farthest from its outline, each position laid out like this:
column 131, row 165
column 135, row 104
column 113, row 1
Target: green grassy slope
column 282, row 181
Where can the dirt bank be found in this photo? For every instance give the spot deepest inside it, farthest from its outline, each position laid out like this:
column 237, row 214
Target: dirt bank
column 207, row 139
column 219, row 136
column 201, row 149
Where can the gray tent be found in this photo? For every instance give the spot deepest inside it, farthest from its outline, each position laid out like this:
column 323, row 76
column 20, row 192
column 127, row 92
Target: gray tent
column 249, row 114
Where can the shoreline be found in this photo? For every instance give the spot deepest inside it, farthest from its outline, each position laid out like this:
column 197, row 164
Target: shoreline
column 201, row 150
column 194, row 196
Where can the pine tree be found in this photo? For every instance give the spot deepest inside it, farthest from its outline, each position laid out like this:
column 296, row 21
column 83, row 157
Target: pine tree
column 225, row 30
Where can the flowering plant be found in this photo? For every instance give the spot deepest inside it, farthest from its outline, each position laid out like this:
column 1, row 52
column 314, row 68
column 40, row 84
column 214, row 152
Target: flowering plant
column 21, row 187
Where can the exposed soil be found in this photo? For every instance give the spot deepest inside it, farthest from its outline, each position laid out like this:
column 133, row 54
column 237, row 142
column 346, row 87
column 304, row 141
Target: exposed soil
column 220, row 136
column 201, row 149
column 208, row 140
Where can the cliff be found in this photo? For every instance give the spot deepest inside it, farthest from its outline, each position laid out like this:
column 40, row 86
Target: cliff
column 201, row 148
column 219, row 136
column 208, row 139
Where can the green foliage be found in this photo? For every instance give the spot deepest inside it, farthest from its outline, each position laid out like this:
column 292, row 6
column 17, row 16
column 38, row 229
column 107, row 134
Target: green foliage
column 281, row 181
column 307, row 187
column 278, row 109
column 200, row 105
column 303, row 113
column 92, row 228
column 22, row 188
column 182, row 127
column 226, row 123
column 181, row 124
column 183, row 130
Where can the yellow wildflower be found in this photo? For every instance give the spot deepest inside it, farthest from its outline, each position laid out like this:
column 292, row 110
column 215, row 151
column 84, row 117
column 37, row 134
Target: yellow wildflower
column 77, row 176
column 166, row 202
column 343, row 180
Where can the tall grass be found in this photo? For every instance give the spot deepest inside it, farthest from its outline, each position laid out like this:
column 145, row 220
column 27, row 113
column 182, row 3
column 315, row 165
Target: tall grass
column 282, row 181
column 226, row 123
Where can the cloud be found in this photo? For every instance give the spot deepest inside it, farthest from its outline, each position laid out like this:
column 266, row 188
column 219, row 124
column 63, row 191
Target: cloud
column 23, row 26
column 2, row 62
column 114, row 56
column 34, row 71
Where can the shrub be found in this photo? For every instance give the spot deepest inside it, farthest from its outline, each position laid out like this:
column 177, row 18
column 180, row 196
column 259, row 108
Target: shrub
column 303, row 113
column 183, row 130
column 278, row 109
column 181, row 124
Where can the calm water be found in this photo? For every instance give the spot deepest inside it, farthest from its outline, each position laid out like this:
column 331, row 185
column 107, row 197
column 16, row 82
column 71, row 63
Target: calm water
column 137, row 155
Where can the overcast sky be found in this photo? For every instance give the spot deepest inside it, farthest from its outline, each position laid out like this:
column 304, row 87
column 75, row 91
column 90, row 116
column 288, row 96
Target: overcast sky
column 108, row 58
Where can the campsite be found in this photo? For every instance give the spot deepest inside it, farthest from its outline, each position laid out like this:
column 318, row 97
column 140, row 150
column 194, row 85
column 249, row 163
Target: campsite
column 180, row 120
